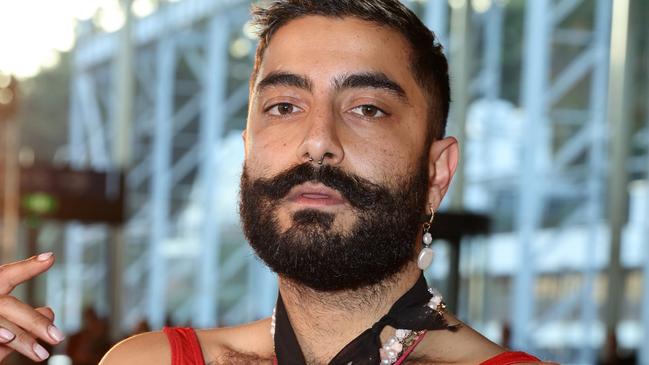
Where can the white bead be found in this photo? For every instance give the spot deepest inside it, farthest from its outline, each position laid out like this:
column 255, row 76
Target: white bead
column 384, row 355
column 435, row 302
column 386, row 362
column 425, row 258
column 392, row 354
column 402, row 334
column 428, row 238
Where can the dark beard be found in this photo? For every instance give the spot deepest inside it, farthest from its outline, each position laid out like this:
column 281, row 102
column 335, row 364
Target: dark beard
column 379, row 245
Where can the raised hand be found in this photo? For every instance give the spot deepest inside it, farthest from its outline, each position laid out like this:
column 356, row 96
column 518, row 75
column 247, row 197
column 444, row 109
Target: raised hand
column 20, row 324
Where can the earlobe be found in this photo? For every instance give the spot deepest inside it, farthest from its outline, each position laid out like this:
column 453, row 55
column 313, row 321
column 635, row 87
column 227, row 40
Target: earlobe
column 443, row 161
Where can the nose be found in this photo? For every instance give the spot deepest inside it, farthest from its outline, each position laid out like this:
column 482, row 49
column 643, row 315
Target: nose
column 321, row 144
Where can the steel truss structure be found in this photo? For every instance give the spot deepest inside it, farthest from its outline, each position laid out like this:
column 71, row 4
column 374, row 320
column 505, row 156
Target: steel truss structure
column 562, row 179
column 186, row 99
column 188, row 96
column 566, row 157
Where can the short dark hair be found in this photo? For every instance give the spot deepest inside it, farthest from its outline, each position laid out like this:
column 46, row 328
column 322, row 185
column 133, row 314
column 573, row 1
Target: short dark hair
column 428, row 63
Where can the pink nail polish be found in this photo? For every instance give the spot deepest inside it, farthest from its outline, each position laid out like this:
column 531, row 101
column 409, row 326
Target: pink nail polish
column 55, row 333
column 40, row 351
column 6, row 335
column 44, row 256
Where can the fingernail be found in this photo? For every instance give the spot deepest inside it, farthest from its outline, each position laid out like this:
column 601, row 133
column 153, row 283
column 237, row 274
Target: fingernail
column 6, row 335
column 55, row 333
column 40, row 352
column 44, row 256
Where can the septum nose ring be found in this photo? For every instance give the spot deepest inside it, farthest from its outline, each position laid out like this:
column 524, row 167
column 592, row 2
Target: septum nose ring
column 320, row 162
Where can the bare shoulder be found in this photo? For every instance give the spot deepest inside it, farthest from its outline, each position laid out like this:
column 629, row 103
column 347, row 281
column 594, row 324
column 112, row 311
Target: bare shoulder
column 248, row 341
column 146, row 348
column 463, row 346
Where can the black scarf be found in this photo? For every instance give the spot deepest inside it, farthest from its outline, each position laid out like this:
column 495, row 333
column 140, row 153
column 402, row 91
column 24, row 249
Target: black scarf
column 408, row 312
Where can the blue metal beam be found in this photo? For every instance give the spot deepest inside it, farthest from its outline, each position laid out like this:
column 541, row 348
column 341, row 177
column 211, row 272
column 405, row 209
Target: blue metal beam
column 596, row 170
column 161, row 180
column 536, row 141
column 214, row 96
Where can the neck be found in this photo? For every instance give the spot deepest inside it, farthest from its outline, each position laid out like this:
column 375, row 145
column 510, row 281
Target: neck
column 324, row 322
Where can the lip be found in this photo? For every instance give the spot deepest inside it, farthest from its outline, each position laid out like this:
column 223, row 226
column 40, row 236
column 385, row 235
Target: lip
column 314, row 194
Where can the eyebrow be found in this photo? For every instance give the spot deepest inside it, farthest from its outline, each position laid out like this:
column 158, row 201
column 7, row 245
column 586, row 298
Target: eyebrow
column 285, row 79
column 373, row 80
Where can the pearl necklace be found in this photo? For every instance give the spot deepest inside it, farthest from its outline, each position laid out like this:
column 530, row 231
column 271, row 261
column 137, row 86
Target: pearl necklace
column 402, row 339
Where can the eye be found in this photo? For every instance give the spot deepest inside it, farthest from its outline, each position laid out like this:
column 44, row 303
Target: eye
column 369, row 111
column 281, row 109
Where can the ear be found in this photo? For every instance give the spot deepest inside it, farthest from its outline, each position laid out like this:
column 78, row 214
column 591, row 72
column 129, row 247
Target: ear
column 244, row 136
column 443, row 159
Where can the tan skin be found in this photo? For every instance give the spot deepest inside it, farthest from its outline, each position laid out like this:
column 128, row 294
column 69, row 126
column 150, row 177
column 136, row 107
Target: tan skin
column 23, row 325
column 369, row 131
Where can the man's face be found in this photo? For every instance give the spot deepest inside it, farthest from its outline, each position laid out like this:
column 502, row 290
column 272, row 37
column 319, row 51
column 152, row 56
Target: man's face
column 340, row 91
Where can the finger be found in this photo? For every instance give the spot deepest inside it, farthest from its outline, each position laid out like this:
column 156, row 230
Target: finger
column 33, row 321
column 47, row 312
column 6, row 336
column 17, row 272
column 23, row 342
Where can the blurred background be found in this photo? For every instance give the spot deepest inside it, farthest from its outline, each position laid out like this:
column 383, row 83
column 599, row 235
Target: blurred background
column 121, row 152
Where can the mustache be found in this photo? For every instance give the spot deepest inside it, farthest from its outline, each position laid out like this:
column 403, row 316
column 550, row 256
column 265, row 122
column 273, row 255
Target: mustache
column 359, row 192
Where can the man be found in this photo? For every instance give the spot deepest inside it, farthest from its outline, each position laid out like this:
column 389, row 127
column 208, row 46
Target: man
column 344, row 155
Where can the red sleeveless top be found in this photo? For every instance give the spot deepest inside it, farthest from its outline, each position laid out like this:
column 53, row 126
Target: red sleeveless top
column 186, row 350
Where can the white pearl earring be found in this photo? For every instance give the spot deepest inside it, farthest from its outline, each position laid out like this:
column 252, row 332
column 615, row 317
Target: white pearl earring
column 426, row 254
